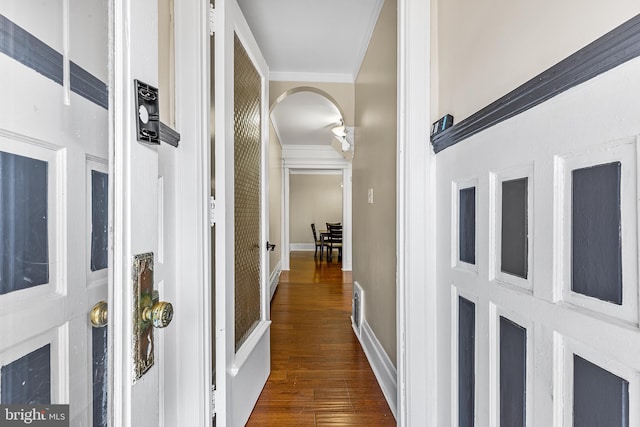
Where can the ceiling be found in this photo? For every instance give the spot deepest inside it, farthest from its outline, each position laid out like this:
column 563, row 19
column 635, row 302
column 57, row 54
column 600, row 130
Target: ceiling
column 310, row 41
column 303, row 38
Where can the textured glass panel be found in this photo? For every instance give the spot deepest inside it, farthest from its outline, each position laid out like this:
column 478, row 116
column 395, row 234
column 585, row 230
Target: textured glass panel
column 28, row 379
column 513, row 374
column 247, row 98
column 596, row 254
column 599, row 397
column 466, row 362
column 99, row 220
column 100, row 379
column 24, row 236
column 514, row 227
column 467, row 231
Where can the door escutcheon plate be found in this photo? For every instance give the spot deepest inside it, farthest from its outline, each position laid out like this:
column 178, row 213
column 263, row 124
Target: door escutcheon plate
column 142, row 329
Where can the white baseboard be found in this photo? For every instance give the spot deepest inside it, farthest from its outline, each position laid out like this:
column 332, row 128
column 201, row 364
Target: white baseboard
column 275, row 278
column 302, row 247
column 381, row 365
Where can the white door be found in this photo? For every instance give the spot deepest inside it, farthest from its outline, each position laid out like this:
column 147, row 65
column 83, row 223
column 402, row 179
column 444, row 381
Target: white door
column 54, row 204
column 240, row 139
column 538, row 230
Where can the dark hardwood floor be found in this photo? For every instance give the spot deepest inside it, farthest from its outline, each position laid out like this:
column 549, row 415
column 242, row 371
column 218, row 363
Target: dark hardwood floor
column 319, row 374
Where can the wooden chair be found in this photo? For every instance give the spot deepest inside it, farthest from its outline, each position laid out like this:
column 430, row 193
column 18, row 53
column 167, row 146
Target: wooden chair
column 334, row 241
column 317, row 241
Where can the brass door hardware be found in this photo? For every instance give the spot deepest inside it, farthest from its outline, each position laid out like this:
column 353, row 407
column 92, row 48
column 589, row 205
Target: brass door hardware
column 159, row 313
column 98, row 315
column 149, row 313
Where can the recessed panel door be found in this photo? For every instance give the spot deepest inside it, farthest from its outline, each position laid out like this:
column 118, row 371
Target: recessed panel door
column 54, row 205
column 554, row 338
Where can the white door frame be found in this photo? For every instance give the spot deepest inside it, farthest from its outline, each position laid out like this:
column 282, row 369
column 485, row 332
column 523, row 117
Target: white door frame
column 416, row 252
column 187, row 360
column 188, row 371
column 317, row 158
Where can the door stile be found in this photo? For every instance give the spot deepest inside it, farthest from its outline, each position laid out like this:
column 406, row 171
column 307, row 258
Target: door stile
column 223, row 281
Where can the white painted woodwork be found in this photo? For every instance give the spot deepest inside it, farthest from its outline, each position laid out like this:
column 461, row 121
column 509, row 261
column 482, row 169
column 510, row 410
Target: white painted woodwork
column 417, row 313
column 136, row 203
column 41, row 119
column 186, row 363
column 240, row 375
column 593, row 123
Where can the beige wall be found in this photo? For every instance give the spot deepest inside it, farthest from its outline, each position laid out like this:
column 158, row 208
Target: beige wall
column 275, row 198
column 313, row 198
column 486, row 49
column 374, row 166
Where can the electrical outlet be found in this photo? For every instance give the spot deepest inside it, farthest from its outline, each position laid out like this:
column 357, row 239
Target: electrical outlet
column 370, row 196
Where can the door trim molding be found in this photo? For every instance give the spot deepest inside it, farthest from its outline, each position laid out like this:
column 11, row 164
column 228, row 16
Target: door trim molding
column 614, row 48
column 315, row 166
column 416, row 291
column 188, row 367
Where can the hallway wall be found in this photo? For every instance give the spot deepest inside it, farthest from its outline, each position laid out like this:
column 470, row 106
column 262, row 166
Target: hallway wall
column 486, row 49
column 374, row 167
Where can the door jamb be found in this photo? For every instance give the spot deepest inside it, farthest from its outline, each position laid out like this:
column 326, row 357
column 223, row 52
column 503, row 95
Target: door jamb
column 416, row 296
column 188, row 383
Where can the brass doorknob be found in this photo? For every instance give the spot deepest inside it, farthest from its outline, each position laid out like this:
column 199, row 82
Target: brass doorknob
column 159, row 314
column 98, row 315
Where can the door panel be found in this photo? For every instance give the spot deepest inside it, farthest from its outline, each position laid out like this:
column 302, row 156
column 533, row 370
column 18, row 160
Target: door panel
column 555, row 278
column 241, row 297
column 53, row 133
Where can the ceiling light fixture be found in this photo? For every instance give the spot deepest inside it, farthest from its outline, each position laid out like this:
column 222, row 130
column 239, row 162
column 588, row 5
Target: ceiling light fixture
column 339, row 131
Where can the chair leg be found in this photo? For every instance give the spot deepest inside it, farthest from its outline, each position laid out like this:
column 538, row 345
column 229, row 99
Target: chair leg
column 315, row 253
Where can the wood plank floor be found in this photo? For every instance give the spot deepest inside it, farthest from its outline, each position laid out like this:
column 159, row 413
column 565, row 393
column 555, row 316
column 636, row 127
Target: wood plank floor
column 319, row 374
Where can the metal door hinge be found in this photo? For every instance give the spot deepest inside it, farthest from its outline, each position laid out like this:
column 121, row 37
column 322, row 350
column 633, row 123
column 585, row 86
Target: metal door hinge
column 213, row 400
column 212, row 20
column 212, row 211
